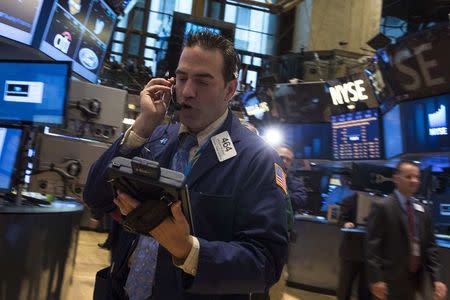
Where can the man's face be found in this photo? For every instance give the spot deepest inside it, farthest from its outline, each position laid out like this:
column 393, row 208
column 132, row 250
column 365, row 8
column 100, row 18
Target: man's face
column 200, row 87
column 407, row 179
column 287, row 156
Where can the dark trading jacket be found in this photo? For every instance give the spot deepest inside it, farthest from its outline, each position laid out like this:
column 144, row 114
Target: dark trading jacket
column 388, row 247
column 239, row 214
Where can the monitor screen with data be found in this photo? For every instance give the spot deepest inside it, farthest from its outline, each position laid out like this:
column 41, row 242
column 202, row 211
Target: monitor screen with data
column 357, row 136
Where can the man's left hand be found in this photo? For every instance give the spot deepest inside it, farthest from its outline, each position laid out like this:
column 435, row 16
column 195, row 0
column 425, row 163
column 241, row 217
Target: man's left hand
column 440, row 290
column 174, row 234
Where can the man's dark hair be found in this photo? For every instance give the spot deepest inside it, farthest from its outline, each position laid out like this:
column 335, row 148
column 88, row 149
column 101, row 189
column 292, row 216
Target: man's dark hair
column 404, row 162
column 287, row 146
column 211, row 41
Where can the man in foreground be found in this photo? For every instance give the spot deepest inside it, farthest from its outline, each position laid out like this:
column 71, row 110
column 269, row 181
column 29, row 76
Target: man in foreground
column 236, row 185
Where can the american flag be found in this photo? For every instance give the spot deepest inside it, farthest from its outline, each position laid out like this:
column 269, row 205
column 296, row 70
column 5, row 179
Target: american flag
column 280, row 178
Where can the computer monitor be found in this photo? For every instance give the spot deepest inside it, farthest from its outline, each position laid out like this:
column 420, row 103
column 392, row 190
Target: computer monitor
column 357, row 136
column 80, row 32
column 306, row 102
column 181, row 25
column 33, row 92
column 309, row 141
column 419, row 126
column 372, row 178
column 425, row 124
column 9, row 149
column 18, row 19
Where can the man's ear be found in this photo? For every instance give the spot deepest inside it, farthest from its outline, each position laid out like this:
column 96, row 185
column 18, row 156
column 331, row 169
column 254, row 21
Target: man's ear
column 230, row 89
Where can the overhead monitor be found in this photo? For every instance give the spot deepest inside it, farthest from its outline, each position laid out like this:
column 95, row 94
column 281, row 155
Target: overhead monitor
column 18, row 19
column 425, row 124
column 33, row 91
column 357, row 136
column 122, row 7
column 79, row 31
column 303, row 102
column 393, row 136
column 372, row 178
column 182, row 24
column 420, row 126
column 309, row 141
column 9, row 149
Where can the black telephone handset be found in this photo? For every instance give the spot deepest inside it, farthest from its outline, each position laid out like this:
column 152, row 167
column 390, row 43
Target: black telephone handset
column 173, row 104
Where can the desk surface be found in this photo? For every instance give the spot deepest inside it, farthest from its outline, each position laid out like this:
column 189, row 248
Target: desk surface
column 442, row 240
column 57, row 206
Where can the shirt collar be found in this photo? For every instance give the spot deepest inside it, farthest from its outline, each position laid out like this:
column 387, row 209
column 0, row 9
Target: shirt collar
column 402, row 198
column 203, row 135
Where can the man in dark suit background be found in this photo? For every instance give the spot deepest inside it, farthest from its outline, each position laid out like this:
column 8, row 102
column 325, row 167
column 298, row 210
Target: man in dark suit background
column 352, row 248
column 400, row 241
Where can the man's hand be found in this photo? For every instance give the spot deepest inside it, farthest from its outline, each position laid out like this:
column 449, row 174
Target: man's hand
column 379, row 289
column 155, row 98
column 349, row 225
column 440, row 290
column 125, row 202
column 174, row 234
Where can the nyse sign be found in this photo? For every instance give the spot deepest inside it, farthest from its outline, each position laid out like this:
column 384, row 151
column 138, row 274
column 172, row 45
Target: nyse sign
column 351, row 93
column 348, row 92
column 418, row 66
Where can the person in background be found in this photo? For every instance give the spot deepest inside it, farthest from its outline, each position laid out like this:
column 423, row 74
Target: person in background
column 352, row 248
column 401, row 246
column 237, row 190
column 296, row 189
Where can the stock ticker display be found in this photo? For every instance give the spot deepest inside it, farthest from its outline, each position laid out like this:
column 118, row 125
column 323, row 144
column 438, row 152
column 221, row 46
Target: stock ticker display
column 356, row 135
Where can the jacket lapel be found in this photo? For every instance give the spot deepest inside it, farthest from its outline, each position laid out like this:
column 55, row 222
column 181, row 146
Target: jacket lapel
column 401, row 213
column 208, row 158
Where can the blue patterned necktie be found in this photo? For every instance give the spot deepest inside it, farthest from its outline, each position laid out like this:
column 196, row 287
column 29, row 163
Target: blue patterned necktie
column 181, row 157
column 142, row 270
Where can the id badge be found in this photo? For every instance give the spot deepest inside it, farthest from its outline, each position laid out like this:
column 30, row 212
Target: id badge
column 415, row 248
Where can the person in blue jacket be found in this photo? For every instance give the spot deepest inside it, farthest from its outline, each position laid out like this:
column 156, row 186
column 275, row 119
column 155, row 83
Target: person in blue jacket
column 236, row 184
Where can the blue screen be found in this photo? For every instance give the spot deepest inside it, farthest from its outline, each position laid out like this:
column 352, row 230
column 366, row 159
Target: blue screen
column 309, row 141
column 393, row 138
column 9, row 145
column 356, row 135
column 425, row 124
column 33, row 92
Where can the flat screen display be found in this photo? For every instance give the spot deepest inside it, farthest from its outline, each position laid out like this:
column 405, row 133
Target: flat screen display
column 9, row 146
column 33, row 92
column 419, row 126
column 309, row 141
column 79, row 30
column 393, row 137
column 18, row 19
column 303, row 102
column 181, row 25
column 425, row 124
column 356, row 135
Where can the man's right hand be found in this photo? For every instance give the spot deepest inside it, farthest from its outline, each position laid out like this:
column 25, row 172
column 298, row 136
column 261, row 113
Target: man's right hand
column 379, row 290
column 155, row 98
column 349, row 225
